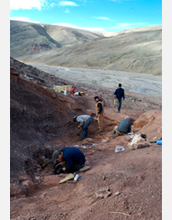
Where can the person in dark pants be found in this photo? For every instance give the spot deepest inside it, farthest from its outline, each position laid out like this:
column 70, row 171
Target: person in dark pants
column 74, row 160
column 119, row 94
column 84, row 121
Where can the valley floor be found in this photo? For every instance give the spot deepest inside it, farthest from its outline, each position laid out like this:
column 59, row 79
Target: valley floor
column 143, row 83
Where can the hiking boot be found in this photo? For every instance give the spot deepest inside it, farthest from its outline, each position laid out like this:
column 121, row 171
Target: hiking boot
column 79, row 139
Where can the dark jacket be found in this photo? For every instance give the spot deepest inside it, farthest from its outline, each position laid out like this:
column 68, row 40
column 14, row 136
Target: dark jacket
column 99, row 106
column 72, row 156
column 119, row 93
column 124, row 126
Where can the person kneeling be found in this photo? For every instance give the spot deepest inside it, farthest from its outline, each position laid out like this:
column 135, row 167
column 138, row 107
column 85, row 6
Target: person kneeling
column 70, row 159
column 124, row 127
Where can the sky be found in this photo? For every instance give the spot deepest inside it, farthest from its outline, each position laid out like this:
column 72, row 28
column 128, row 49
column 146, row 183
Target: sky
column 90, row 15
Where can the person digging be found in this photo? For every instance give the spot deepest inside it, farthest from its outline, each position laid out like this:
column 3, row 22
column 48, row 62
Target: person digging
column 124, row 127
column 45, row 162
column 85, row 121
column 68, row 160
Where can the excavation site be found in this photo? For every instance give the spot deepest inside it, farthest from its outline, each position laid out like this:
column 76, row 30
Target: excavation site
column 124, row 176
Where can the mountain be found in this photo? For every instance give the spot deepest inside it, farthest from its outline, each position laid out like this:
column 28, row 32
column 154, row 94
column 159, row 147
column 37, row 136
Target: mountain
column 137, row 50
column 31, row 38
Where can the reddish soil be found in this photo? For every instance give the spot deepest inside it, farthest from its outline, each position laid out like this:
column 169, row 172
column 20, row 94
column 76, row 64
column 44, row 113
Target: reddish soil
column 41, row 122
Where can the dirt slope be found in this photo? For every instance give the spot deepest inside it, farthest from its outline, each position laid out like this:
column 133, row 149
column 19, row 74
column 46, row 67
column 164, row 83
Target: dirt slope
column 41, row 121
column 37, row 115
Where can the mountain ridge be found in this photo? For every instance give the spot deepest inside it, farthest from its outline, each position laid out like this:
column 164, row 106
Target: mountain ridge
column 138, row 50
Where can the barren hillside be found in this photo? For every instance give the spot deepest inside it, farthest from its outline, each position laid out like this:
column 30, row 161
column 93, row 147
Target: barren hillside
column 31, row 38
column 137, row 50
column 123, row 185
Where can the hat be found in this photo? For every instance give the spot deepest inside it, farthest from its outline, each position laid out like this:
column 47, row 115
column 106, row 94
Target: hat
column 55, row 155
column 74, row 118
column 96, row 97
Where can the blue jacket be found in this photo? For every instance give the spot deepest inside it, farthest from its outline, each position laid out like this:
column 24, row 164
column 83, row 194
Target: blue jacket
column 72, row 156
column 119, row 93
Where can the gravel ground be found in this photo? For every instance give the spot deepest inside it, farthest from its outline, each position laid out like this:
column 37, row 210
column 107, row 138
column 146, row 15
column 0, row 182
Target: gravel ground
column 143, row 83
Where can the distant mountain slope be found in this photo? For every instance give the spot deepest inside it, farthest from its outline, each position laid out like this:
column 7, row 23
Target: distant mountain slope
column 137, row 50
column 31, row 38
column 70, row 36
column 24, row 37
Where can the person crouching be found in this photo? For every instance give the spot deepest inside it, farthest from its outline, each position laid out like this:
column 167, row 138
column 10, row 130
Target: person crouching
column 124, row 127
column 69, row 159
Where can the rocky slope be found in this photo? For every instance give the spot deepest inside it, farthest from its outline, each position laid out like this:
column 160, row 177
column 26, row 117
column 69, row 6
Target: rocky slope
column 137, row 50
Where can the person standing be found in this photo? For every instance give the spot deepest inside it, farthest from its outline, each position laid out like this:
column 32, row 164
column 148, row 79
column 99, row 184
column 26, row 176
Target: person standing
column 84, row 121
column 99, row 109
column 119, row 94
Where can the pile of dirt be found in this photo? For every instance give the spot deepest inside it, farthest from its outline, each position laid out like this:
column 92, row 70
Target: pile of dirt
column 123, row 185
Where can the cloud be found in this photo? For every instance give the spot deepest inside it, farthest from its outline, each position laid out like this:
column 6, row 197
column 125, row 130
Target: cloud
column 92, row 29
column 23, row 19
column 26, row 4
column 39, row 4
column 123, row 26
column 103, row 18
column 67, row 3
